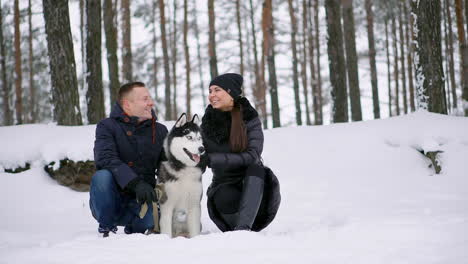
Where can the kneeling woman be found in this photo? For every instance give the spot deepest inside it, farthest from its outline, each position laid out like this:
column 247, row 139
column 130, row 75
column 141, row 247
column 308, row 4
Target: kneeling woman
column 241, row 196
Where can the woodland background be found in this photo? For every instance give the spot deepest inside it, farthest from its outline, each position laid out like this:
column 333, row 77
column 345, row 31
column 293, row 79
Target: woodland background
column 305, row 62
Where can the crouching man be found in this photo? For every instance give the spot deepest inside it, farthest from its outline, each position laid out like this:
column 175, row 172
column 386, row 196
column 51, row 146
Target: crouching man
column 127, row 151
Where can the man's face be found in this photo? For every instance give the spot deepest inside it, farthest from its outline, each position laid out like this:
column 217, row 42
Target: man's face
column 139, row 103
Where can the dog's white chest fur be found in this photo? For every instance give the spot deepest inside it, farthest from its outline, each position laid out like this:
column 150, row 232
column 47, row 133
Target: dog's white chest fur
column 181, row 212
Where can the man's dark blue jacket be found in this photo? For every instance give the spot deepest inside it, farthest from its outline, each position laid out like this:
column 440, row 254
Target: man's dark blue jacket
column 129, row 149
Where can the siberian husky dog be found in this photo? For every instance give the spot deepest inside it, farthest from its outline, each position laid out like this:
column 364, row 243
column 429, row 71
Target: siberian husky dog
column 180, row 180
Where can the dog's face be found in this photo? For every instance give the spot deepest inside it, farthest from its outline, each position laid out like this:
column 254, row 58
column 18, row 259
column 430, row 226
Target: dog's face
column 185, row 141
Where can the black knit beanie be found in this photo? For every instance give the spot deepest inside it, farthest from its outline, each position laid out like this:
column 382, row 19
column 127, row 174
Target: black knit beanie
column 230, row 82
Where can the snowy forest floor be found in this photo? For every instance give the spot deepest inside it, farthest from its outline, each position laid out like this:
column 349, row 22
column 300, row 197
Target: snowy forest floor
column 351, row 193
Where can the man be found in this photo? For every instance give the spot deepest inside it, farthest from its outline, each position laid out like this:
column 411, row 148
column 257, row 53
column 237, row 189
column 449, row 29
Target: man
column 127, row 151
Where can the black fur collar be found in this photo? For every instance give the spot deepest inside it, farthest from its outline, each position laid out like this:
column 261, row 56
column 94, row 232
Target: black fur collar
column 216, row 124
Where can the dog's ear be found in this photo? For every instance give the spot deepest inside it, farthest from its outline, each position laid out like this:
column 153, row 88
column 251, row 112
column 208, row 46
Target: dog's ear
column 181, row 121
column 196, row 120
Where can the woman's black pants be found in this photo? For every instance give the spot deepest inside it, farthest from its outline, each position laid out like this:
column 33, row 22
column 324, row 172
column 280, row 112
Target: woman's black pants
column 238, row 205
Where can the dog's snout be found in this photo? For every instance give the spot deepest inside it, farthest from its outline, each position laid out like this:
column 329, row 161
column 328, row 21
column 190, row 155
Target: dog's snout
column 201, row 150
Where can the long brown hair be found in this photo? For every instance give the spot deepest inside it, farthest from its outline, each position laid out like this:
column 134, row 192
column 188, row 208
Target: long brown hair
column 238, row 135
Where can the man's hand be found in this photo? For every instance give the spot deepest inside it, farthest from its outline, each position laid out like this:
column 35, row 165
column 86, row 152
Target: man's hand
column 144, row 193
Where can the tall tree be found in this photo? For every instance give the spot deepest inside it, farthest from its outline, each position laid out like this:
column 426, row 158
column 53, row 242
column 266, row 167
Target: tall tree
column 94, row 95
column 316, row 94
column 212, row 40
column 319, row 119
column 167, row 76
column 305, row 29
column 62, row 63
column 18, row 70
column 463, row 53
column 82, row 44
column 187, row 62
column 127, row 70
column 351, row 60
column 429, row 71
column 451, row 63
column 154, row 49
column 269, row 53
column 372, row 53
column 389, row 79
column 297, row 101
column 111, row 46
column 396, row 71
column 336, row 61
column 7, row 113
column 402, row 57
column 174, row 59
column 239, row 29
column 410, row 43
column 260, row 86
column 199, row 58
column 32, row 88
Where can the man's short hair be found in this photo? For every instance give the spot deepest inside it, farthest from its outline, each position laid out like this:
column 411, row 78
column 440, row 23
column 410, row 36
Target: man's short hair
column 127, row 88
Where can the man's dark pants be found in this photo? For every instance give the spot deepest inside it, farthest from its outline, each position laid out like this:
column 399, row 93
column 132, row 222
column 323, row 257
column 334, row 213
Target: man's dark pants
column 111, row 207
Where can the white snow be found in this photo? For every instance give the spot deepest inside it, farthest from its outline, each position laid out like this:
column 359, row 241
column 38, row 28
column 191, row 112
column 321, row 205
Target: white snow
column 351, row 193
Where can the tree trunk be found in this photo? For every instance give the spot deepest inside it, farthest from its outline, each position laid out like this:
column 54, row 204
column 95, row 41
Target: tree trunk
column 316, row 95
column 463, row 54
column 336, row 59
column 155, row 58
column 395, row 66
column 294, row 63
column 111, row 46
column 410, row 42
column 18, row 70
column 82, row 46
column 305, row 29
column 65, row 96
column 429, row 71
column 174, row 61
column 187, row 62
column 94, row 95
column 7, row 114
column 212, row 40
column 269, row 53
column 319, row 120
column 260, row 86
column 372, row 53
column 451, row 64
column 199, row 58
column 389, row 79
column 351, row 60
column 446, row 60
column 167, row 76
column 127, row 70
column 239, row 27
column 32, row 89
column 402, row 57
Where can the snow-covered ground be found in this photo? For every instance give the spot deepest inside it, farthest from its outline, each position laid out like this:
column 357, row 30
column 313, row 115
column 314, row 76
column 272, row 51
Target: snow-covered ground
column 352, row 193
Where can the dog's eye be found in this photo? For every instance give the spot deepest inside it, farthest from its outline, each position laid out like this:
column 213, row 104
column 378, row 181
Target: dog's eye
column 186, row 131
column 189, row 137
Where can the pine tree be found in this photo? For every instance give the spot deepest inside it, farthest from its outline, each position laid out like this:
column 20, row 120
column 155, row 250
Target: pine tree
column 187, row 62
column 269, row 53
column 463, row 53
column 429, row 71
column 297, row 101
column 336, row 61
column 127, row 59
column 212, row 40
column 239, row 29
column 351, row 60
column 167, row 76
column 18, row 69
column 62, row 63
column 7, row 113
column 111, row 47
column 94, row 94
column 305, row 29
column 372, row 53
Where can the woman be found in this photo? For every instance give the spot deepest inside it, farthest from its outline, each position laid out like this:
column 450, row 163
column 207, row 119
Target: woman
column 241, row 196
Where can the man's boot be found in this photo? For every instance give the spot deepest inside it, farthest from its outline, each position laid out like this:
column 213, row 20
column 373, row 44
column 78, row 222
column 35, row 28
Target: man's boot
column 251, row 199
